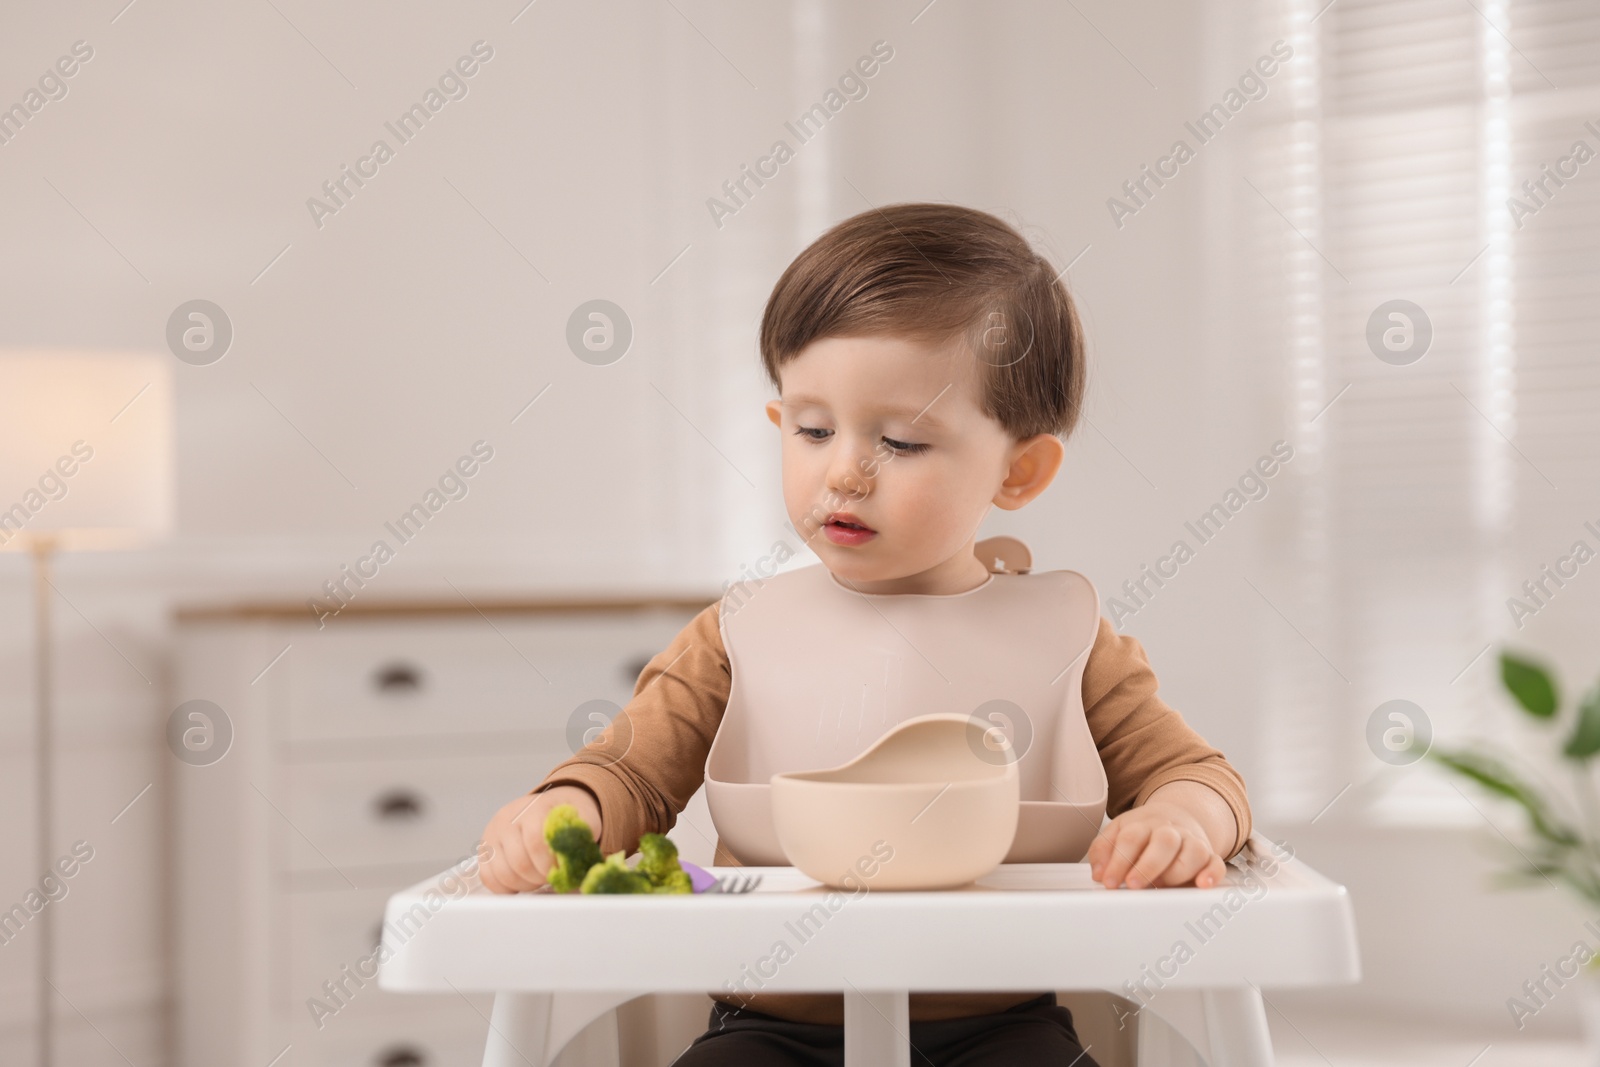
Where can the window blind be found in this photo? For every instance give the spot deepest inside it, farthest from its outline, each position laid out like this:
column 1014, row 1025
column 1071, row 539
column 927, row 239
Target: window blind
column 1431, row 488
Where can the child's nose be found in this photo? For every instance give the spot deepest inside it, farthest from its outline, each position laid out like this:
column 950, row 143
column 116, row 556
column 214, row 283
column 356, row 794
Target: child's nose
column 851, row 468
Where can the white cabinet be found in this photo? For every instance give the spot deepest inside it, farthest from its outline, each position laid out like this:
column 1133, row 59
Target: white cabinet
column 364, row 757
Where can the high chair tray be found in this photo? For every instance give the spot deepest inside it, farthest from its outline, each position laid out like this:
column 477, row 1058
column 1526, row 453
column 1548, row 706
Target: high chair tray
column 1023, row 926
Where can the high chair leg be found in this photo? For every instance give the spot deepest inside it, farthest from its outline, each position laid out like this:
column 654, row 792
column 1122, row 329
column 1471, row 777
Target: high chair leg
column 877, row 1030
column 1237, row 1023
column 532, row 1029
column 519, row 1028
column 1225, row 1027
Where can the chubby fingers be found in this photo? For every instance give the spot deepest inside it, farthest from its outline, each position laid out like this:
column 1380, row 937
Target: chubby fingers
column 519, row 857
column 492, row 869
column 1120, row 844
column 1100, row 849
column 1195, row 863
column 1211, row 874
column 1160, row 850
column 508, row 868
column 1144, row 855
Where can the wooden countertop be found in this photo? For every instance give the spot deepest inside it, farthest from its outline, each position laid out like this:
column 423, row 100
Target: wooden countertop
column 457, row 605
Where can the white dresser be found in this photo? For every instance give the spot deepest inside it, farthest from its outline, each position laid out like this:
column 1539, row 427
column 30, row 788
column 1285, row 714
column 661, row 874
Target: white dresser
column 364, row 757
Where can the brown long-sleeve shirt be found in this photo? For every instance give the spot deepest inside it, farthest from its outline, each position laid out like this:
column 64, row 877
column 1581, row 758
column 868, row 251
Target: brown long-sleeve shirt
column 677, row 705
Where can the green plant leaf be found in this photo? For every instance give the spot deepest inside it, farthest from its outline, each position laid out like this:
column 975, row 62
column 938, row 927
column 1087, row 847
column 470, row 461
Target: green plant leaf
column 1495, row 776
column 1529, row 684
column 1586, row 889
column 1524, row 878
column 1585, row 739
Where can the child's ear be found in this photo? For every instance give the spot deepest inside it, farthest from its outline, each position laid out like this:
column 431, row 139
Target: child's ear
column 775, row 412
column 1034, row 463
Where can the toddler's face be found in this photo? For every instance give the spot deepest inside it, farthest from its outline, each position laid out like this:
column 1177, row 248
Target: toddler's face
column 888, row 430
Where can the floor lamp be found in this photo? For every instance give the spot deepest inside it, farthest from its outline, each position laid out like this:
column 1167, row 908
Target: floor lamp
column 85, row 463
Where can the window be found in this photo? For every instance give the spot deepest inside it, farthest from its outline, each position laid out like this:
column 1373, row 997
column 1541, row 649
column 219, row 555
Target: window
column 1427, row 489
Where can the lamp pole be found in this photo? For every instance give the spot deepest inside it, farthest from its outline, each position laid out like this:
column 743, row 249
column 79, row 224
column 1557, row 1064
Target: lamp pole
column 42, row 547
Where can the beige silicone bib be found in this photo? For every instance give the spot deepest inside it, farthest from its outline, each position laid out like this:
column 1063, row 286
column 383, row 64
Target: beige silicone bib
column 820, row 672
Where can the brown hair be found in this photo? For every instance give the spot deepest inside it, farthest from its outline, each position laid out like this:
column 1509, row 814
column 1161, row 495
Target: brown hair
column 930, row 272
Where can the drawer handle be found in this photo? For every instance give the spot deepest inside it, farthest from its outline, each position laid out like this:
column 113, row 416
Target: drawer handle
column 402, row 1056
column 399, row 805
column 398, row 678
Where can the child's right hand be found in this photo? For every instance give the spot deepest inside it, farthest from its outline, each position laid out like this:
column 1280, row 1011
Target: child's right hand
column 517, row 857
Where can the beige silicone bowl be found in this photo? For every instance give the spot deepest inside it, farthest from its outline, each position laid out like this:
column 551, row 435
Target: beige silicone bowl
column 932, row 805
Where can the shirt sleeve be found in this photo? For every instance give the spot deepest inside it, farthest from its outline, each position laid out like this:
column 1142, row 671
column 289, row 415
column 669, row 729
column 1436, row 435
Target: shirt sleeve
column 1144, row 743
column 646, row 765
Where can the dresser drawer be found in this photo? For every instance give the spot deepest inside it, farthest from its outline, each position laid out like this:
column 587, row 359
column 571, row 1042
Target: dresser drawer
column 438, row 1031
column 416, row 678
column 332, row 937
column 370, row 1026
column 329, row 931
column 428, row 809
column 450, row 1034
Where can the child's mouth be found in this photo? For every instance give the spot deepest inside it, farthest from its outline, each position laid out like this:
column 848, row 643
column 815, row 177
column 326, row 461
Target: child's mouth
column 848, row 533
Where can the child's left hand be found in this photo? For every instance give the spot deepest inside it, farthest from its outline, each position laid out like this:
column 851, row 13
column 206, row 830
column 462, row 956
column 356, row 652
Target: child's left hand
column 1156, row 844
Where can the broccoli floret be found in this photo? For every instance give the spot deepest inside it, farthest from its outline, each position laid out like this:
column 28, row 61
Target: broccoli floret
column 676, row 882
column 573, row 846
column 580, row 866
column 658, row 861
column 615, row 876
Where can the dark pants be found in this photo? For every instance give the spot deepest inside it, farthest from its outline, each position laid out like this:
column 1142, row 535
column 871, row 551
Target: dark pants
column 1035, row 1033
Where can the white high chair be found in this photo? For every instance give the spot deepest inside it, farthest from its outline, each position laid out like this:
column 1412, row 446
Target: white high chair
column 559, row 963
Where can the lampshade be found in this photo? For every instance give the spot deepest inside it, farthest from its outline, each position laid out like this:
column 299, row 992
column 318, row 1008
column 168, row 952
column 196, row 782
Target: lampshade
column 85, row 447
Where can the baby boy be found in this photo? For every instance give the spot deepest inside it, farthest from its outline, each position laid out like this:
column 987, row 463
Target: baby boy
column 928, row 365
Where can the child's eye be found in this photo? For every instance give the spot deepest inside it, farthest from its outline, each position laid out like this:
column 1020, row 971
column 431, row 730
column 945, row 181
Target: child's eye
column 903, row 447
